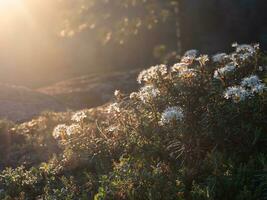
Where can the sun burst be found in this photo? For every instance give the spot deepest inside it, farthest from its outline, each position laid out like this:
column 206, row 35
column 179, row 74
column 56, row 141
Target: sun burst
column 9, row 4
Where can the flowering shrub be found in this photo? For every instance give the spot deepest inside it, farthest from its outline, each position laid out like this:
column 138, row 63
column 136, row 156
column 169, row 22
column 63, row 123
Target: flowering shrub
column 194, row 130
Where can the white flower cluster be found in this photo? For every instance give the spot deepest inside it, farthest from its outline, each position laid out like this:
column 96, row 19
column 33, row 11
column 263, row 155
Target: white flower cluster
column 179, row 67
column 222, row 72
column 59, row 130
column 234, row 60
column 172, row 114
column 244, row 51
column 219, row 57
column 148, row 93
column 189, row 55
column 203, row 59
column 113, row 108
column 236, row 93
column 187, row 73
column 250, row 81
column 153, row 73
column 79, row 116
column 249, row 86
column 245, row 48
column 183, row 70
column 62, row 130
column 117, row 93
column 254, row 84
column 73, row 129
column 134, row 95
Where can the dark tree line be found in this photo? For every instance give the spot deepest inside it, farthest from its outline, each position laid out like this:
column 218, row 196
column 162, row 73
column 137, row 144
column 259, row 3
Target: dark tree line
column 211, row 25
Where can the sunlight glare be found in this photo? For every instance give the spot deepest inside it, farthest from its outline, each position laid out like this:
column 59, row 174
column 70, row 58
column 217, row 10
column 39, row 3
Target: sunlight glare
column 9, row 4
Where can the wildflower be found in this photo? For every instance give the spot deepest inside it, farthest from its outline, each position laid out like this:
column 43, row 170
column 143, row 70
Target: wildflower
column 148, row 93
column 245, row 48
column 254, row 84
column 59, row 130
column 256, row 46
column 79, row 116
column 244, row 51
column 118, row 94
column 203, row 59
column 113, row 108
column 219, row 57
column 221, row 72
column 234, row 44
column 179, row 66
column 250, row 81
column 244, row 56
column 172, row 114
column 191, row 53
column 134, row 95
column 187, row 73
column 189, row 56
column 259, row 89
column 73, row 129
column 236, row 93
column 153, row 73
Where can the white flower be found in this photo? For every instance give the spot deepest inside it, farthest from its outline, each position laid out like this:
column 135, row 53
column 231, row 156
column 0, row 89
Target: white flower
column 244, row 51
column 179, row 66
column 221, row 72
column 148, row 93
column 259, row 89
column 203, row 59
column 79, row 116
column 234, row 44
column 219, row 57
column 134, row 95
column 250, row 81
column 254, row 84
column 236, row 93
column 244, row 56
column 73, row 129
column 117, row 93
column 151, row 74
column 172, row 114
column 113, row 108
column 191, row 53
column 59, row 130
column 187, row 73
column 245, row 48
column 183, row 70
column 256, row 46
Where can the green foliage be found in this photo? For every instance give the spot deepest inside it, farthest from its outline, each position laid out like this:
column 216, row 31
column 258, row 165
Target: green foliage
column 114, row 20
column 196, row 130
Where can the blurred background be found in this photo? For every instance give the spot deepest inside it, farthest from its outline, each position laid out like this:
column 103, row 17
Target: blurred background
column 46, row 41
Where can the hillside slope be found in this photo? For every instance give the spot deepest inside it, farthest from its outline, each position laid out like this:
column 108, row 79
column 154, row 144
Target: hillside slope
column 91, row 90
column 20, row 103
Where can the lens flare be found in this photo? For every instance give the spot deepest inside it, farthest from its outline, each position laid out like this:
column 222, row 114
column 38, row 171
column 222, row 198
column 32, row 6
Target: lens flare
column 6, row 5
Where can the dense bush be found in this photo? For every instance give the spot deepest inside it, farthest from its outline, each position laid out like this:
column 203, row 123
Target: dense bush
column 196, row 130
